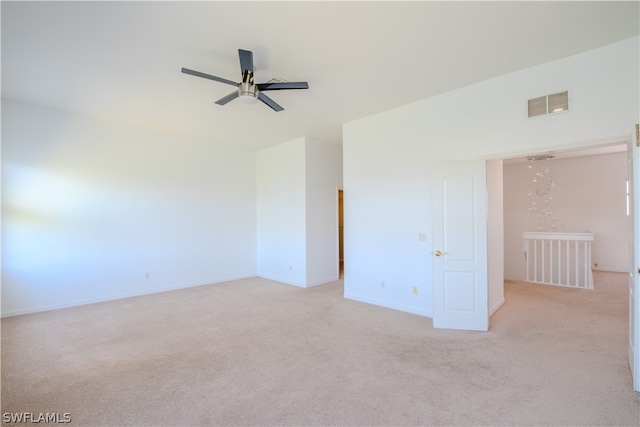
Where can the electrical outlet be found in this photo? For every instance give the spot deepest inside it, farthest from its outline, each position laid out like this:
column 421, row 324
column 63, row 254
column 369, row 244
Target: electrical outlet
column 414, row 290
column 382, row 284
column 147, row 275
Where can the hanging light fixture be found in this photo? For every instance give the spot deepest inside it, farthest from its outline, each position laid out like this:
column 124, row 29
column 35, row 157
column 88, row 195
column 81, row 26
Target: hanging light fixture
column 541, row 188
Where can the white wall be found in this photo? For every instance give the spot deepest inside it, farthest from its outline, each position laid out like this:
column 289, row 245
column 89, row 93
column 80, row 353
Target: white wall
column 590, row 196
column 387, row 158
column 298, row 185
column 495, row 235
column 89, row 208
column 323, row 178
column 385, row 211
column 281, row 242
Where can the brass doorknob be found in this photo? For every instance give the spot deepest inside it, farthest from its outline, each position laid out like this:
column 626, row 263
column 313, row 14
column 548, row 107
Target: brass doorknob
column 440, row 253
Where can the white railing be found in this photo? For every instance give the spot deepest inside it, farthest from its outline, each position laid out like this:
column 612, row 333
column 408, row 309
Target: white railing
column 562, row 259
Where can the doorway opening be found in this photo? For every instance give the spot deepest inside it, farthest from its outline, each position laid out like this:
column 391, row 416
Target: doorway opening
column 589, row 195
column 599, row 205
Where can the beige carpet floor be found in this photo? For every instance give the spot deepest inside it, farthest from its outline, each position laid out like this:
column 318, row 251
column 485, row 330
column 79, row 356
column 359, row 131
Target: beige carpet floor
column 258, row 352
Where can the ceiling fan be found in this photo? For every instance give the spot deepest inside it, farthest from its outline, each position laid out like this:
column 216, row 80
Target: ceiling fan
column 248, row 91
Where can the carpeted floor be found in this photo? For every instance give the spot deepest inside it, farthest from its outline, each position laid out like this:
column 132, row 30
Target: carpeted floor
column 258, row 352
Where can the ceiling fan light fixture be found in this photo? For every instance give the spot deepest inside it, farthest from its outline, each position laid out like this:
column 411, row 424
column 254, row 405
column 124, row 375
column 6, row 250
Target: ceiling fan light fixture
column 247, row 93
column 248, row 98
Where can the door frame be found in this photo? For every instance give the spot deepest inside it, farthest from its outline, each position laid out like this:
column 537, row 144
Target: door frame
column 633, row 156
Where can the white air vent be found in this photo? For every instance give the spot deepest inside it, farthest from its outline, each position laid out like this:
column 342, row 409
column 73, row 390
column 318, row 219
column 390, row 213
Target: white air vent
column 558, row 102
column 537, row 106
column 548, row 104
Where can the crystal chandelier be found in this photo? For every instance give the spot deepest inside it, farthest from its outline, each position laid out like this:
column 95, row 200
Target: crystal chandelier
column 540, row 193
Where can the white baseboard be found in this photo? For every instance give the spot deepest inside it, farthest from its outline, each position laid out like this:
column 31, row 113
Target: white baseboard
column 419, row 312
column 78, row 303
column 323, row 281
column 610, row 270
column 496, row 306
column 278, row 279
column 298, row 284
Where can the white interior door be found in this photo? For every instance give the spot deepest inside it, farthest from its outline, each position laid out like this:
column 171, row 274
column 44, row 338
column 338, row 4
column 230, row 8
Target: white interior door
column 459, row 230
column 634, row 257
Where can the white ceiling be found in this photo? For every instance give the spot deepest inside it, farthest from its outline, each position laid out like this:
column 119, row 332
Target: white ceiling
column 121, row 61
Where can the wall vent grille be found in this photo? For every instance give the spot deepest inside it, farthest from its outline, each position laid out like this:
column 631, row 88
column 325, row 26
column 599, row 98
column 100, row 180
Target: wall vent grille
column 548, row 104
column 537, row 106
